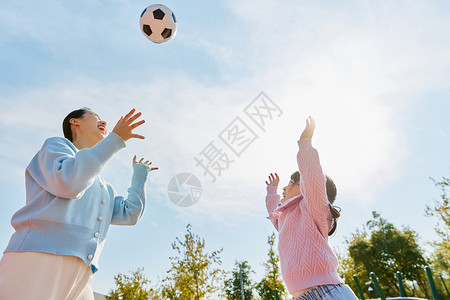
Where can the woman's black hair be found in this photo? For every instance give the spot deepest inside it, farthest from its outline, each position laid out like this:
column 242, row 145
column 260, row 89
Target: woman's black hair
column 67, row 128
column 331, row 194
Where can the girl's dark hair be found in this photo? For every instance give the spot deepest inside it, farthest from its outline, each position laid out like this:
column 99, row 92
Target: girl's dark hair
column 67, row 128
column 331, row 194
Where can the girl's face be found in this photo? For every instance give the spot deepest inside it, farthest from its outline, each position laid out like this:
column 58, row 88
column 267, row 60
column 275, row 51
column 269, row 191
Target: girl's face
column 291, row 190
column 90, row 126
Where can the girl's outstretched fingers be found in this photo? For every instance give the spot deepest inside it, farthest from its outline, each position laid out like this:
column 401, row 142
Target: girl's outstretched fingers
column 273, row 180
column 308, row 132
column 312, row 123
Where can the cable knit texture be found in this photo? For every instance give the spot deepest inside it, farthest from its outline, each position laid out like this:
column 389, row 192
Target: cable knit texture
column 303, row 223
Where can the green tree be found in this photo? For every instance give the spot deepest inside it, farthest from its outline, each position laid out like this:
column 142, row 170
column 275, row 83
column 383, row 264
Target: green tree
column 441, row 209
column 347, row 269
column 194, row 272
column 131, row 287
column 232, row 285
column 385, row 250
column 272, row 278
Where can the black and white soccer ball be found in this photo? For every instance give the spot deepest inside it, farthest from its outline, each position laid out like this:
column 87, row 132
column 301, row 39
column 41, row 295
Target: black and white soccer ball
column 158, row 23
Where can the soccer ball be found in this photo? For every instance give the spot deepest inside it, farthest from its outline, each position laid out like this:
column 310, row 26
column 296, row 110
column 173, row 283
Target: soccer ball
column 158, row 23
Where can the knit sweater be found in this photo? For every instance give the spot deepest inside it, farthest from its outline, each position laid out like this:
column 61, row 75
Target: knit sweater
column 69, row 206
column 303, row 223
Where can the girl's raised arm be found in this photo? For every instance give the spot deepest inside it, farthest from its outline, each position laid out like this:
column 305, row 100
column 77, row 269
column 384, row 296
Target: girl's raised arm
column 272, row 197
column 312, row 179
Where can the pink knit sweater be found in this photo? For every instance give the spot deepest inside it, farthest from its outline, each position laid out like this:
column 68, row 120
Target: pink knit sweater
column 303, row 223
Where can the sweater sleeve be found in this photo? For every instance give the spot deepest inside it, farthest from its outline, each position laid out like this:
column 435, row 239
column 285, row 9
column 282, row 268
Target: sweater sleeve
column 65, row 172
column 272, row 200
column 129, row 211
column 313, row 184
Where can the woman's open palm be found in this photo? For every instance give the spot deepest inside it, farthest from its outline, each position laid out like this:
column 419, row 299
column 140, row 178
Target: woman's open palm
column 142, row 162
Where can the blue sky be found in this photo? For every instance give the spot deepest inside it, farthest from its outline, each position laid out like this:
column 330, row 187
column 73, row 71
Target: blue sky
column 374, row 74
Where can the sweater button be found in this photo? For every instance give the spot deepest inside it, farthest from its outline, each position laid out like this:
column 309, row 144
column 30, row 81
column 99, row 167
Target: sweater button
column 96, row 234
column 100, row 218
column 90, row 256
column 104, row 201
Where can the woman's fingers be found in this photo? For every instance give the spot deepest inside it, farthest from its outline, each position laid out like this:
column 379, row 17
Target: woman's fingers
column 128, row 115
column 125, row 126
column 141, row 161
column 131, row 119
column 133, row 126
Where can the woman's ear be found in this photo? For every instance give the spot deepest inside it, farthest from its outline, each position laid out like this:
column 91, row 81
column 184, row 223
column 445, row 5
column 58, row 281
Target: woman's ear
column 73, row 121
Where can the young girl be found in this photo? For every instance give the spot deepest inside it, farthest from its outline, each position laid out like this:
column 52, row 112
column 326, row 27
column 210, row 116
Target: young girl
column 60, row 232
column 304, row 218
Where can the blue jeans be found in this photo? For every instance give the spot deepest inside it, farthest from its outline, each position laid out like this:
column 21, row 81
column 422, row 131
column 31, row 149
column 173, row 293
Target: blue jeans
column 328, row 292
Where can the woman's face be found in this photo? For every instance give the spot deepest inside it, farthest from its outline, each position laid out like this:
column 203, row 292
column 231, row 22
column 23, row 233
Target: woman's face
column 90, row 126
column 291, row 190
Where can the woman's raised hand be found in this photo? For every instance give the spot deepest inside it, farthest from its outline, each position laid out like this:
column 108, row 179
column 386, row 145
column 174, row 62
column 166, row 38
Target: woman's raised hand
column 142, row 162
column 309, row 129
column 125, row 126
column 273, row 180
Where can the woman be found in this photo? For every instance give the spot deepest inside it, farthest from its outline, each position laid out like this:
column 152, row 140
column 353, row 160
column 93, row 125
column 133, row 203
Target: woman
column 60, row 232
column 304, row 218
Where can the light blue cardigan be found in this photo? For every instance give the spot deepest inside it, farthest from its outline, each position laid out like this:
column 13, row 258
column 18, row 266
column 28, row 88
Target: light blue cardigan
column 69, row 207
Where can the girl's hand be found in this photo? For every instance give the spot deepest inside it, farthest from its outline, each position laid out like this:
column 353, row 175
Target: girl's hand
column 124, row 126
column 309, row 129
column 147, row 163
column 273, row 180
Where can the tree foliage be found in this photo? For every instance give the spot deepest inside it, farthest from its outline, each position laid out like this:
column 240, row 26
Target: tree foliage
column 272, row 278
column 131, row 287
column 194, row 271
column 384, row 250
column 441, row 209
column 232, row 285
